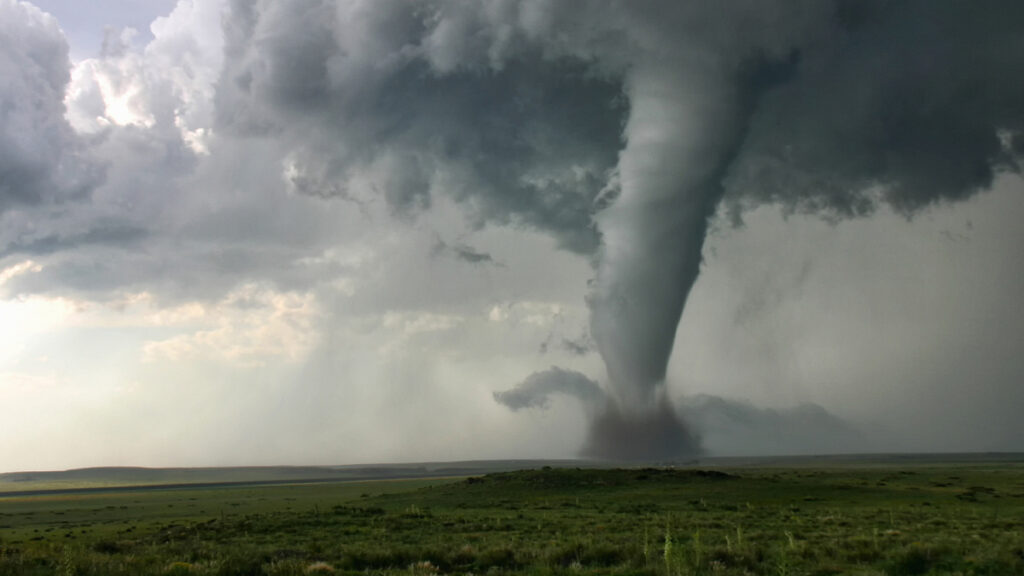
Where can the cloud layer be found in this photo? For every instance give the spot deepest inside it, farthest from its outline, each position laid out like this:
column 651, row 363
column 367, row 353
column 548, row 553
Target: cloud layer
column 450, row 175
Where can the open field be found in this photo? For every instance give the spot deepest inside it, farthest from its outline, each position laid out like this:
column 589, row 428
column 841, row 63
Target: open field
column 904, row 517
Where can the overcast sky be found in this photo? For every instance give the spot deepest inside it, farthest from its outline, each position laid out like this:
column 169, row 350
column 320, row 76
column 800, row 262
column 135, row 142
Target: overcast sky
column 329, row 231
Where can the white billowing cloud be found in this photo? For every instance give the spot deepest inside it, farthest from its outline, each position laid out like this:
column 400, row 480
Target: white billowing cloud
column 189, row 45
column 110, row 90
column 172, row 81
column 145, row 115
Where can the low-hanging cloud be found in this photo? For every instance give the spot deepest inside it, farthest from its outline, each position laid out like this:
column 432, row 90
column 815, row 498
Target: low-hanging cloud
column 536, row 390
column 736, row 428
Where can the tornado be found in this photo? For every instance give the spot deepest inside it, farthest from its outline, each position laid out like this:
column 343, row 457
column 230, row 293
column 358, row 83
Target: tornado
column 678, row 137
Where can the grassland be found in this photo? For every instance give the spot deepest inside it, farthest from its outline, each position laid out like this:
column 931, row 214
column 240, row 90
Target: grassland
column 881, row 519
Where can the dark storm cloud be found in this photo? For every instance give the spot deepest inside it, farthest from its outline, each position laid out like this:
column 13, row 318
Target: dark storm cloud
column 910, row 103
column 41, row 159
column 618, row 127
column 392, row 90
column 548, row 114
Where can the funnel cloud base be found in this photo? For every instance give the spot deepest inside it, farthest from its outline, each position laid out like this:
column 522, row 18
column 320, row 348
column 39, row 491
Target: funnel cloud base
column 656, row 435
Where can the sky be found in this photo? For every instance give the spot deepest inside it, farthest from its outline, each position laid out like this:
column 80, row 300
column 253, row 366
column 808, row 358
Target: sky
column 238, row 233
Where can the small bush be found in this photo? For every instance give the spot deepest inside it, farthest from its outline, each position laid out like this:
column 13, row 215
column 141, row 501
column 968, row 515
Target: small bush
column 108, row 547
column 603, row 555
column 179, row 569
column 913, row 561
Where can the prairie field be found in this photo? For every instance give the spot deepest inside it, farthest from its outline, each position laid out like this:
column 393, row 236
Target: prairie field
column 892, row 519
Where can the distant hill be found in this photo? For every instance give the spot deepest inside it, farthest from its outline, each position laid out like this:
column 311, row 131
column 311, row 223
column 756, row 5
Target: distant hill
column 107, row 477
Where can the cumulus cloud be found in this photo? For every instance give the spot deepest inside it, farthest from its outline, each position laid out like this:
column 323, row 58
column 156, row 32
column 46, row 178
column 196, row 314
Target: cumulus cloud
column 41, row 159
column 170, row 82
column 182, row 214
column 139, row 115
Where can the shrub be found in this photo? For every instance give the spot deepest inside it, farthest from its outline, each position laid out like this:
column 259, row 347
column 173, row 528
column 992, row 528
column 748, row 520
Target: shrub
column 319, row 568
column 108, row 547
column 915, row 560
column 179, row 569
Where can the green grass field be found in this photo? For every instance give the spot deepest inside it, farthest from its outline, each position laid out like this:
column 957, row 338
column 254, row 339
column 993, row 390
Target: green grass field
column 883, row 519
